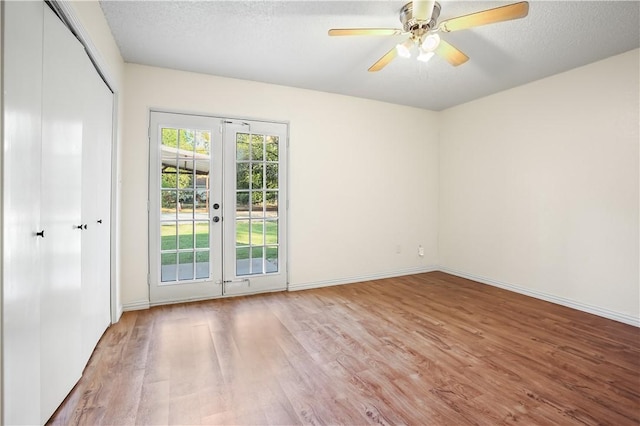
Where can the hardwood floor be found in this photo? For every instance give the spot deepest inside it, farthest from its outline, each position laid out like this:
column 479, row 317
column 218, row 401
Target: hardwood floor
column 423, row 349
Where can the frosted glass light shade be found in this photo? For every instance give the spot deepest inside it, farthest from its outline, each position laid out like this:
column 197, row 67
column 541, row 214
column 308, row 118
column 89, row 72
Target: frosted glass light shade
column 425, row 56
column 431, row 42
column 404, row 49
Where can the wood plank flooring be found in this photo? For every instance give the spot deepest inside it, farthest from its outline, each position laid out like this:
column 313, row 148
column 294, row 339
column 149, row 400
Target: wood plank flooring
column 424, row 349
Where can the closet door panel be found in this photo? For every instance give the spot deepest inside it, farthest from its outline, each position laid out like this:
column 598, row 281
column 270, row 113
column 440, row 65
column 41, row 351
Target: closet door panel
column 103, row 313
column 62, row 128
column 22, row 85
column 96, row 208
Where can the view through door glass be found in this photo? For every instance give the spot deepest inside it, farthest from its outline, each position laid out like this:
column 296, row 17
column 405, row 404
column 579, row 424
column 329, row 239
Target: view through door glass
column 257, row 186
column 184, row 211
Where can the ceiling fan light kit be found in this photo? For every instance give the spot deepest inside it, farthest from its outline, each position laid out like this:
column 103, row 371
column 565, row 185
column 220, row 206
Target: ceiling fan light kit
column 431, row 42
column 404, row 49
column 419, row 20
column 426, row 47
column 425, row 56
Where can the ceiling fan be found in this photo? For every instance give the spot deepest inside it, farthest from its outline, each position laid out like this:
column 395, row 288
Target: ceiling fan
column 419, row 20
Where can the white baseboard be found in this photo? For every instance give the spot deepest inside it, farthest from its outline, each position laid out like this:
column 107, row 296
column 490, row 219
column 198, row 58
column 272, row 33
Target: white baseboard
column 595, row 310
column 146, row 304
column 201, row 299
column 135, row 306
column 361, row 278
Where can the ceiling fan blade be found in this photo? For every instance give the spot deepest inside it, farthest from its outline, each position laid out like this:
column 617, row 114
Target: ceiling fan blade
column 422, row 9
column 454, row 56
column 384, row 61
column 499, row 14
column 365, row 31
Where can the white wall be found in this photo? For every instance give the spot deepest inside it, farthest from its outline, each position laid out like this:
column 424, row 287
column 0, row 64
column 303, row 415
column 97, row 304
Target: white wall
column 363, row 175
column 93, row 26
column 539, row 188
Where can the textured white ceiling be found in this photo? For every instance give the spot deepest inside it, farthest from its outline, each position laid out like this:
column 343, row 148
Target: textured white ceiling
column 286, row 42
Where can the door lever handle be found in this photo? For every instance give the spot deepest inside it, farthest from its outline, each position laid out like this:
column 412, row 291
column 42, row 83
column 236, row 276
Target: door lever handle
column 78, row 227
column 99, row 220
column 40, row 234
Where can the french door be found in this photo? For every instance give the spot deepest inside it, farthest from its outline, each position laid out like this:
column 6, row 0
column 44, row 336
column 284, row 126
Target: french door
column 217, row 207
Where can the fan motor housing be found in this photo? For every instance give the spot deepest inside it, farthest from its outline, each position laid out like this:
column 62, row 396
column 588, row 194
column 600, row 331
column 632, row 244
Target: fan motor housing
column 410, row 24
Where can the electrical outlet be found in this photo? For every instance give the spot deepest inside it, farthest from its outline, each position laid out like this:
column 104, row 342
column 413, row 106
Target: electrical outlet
column 420, row 251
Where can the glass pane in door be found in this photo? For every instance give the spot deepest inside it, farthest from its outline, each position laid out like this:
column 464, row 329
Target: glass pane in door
column 184, row 216
column 256, row 222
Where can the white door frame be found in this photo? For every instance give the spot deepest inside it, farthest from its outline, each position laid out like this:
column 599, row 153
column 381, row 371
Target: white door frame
column 230, row 283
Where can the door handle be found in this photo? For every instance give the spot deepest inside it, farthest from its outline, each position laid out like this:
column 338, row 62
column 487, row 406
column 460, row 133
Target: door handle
column 216, row 206
column 40, row 234
column 99, row 220
column 78, row 227
column 216, row 219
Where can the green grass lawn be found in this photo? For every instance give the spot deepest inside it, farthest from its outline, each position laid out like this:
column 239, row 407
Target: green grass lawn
column 185, row 240
column 257, row 239
column 185, row 236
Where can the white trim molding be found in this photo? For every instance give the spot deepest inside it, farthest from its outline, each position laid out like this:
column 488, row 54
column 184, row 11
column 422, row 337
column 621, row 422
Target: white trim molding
column 135, row 306
column 361, row 278
column 595, row 310
column 66, row 8
column 145, row 304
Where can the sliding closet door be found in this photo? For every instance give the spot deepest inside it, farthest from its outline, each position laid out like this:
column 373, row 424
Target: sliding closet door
column 96, row 209
column 22, row 85
column 62, row 129
column 54, row 102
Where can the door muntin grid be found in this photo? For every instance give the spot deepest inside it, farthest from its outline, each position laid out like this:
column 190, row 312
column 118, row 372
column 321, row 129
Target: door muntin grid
column 257, row 203
column 184, row 208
